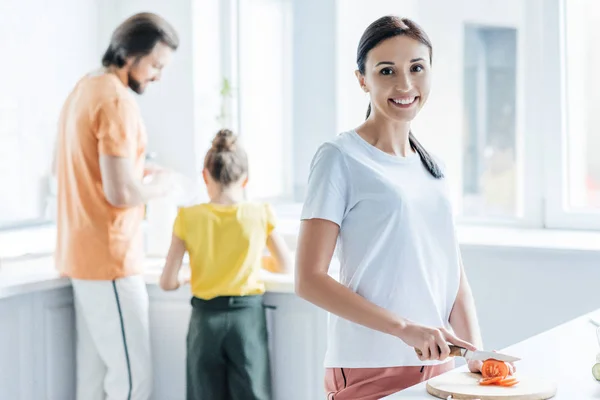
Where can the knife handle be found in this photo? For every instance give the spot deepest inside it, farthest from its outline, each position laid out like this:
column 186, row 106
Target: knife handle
column 455, row 351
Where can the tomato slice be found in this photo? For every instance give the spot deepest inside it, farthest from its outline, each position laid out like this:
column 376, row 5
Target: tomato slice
column 490, row 381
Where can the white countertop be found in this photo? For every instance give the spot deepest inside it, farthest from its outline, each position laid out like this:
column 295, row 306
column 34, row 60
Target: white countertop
column 564, row 354
column 34, row 274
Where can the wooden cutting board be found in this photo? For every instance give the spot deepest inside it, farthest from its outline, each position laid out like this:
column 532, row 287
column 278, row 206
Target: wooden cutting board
column 465, row 386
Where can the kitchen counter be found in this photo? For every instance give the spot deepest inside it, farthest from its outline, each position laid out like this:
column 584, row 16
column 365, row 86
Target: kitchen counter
column 564, row 355
column 38, row 336
column 31, row 274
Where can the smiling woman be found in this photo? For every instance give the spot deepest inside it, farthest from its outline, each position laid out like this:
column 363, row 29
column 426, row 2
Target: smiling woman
column 405, row 91
column 383, row 197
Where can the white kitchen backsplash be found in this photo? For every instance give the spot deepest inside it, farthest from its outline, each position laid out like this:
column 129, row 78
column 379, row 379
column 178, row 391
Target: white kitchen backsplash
column 160, row 215
column 157, row 232
column 27, row 241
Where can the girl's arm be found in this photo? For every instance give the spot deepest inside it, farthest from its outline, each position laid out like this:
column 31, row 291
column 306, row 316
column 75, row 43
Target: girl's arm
column 169, row 279
column 279, row 254
column 463, row 317
column 316, row 244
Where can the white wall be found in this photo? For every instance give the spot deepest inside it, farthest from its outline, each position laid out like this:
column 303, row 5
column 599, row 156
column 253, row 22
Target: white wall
column 43, row 54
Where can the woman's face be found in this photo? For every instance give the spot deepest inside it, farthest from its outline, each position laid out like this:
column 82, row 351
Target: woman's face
column 397, row 77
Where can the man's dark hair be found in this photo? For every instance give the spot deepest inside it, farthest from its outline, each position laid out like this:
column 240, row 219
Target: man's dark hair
column 137, row 36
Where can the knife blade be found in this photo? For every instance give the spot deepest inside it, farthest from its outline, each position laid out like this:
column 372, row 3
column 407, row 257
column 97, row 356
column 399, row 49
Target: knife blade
column 481, row 355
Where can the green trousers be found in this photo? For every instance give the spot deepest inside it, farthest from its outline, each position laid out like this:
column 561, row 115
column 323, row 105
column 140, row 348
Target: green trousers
column 227, row 350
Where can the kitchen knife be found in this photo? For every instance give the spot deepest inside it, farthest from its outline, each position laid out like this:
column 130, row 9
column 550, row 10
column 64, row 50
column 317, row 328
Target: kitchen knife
column 456, row 351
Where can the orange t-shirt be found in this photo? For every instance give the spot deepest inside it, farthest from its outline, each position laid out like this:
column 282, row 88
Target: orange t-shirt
column 95, row 240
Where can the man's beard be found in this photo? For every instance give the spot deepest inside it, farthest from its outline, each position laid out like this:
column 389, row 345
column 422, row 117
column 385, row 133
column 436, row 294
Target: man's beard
column 134, row 84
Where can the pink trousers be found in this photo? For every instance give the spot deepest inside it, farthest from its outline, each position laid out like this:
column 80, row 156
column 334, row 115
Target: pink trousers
column 375, row 383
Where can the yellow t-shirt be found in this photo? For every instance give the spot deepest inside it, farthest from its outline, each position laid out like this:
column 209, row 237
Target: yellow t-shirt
column 225, row 244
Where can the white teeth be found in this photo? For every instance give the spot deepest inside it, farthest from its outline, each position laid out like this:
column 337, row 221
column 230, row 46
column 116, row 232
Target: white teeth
column 404, row 101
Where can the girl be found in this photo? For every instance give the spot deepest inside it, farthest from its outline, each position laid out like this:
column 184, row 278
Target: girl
column 379, row 193
column 227, row 354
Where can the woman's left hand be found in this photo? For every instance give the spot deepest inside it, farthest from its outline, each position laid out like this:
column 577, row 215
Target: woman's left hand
column 475, row 366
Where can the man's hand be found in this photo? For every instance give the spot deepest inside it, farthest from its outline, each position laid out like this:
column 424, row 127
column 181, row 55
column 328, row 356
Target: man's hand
column 163, row 181
column 122, row 187
column 151, row 168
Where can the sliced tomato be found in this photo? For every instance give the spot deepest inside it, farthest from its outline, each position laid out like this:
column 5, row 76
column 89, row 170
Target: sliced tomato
column 492, row 368
column 491, row 381
column 508, row 382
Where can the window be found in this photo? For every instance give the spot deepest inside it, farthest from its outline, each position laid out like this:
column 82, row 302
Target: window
column 573, row 125
column 24, row 157
column 278, row 58
column 477, row 118
column 264, row 65
column 34, row 85
column 489, row 152
column 582, row 63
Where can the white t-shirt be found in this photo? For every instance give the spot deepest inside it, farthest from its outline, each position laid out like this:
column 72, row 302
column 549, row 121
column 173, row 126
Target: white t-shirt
column 397, row 245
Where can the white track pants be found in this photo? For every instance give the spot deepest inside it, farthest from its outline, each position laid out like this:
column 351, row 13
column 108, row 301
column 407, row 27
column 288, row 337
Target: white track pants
column 113, row 339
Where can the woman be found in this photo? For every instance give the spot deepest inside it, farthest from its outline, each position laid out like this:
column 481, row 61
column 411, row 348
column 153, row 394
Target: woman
column 383, row 198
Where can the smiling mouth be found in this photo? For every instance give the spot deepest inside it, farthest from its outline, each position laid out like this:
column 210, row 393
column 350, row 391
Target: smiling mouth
column 405, row 102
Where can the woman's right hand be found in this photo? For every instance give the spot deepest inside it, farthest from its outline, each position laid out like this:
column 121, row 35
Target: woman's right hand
column 432, row 342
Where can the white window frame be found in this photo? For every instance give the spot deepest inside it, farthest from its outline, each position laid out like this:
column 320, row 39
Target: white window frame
column 530, row 116
column 230, row 60
column 553, row 92
column 529, row 155
column 230, row 55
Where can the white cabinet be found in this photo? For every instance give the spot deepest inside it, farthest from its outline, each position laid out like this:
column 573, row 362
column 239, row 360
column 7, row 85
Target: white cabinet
column 169, row 317
column 54, row 344
column 38, row 339
column 16, row 355
column 37, row 346
column 297, row 336
column 298, row 340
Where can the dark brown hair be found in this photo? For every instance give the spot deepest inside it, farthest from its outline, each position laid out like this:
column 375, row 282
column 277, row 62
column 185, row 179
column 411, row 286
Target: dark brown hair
column 226, row 161
column 385, row 28
column 137, row 36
